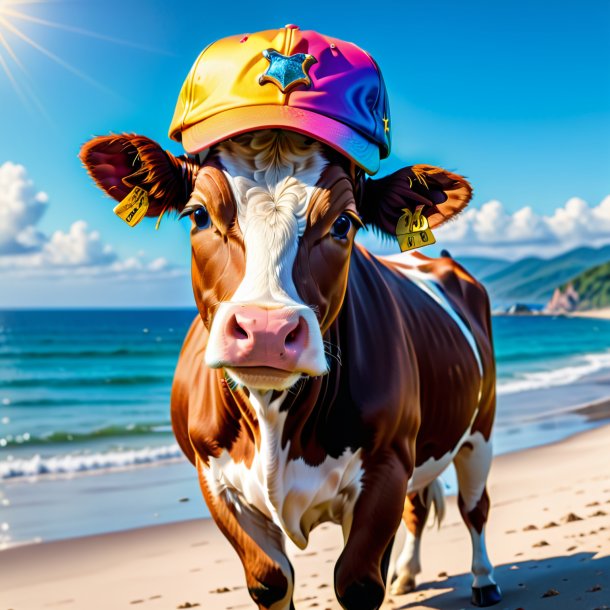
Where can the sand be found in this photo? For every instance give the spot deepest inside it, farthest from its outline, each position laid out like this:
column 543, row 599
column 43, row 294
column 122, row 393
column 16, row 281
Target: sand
column 537, row 547
column 602, row 314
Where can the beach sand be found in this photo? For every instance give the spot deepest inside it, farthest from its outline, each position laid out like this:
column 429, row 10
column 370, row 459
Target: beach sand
column 602, row 314
column 548, row 535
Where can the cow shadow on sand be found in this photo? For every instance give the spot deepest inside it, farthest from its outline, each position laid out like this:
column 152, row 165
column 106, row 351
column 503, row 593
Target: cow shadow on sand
column 573, row 582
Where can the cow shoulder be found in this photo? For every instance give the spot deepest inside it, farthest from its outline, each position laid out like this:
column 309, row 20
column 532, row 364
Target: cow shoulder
column 208, row 417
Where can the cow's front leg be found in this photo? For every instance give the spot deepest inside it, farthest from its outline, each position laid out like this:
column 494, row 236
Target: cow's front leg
column 259, row 544
column 361, row 571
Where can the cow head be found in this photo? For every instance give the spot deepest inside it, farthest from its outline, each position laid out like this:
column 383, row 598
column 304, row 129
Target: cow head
column 274, row 215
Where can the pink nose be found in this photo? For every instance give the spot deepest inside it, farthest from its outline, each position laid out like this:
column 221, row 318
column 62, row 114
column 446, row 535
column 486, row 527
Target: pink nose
column 256, row 336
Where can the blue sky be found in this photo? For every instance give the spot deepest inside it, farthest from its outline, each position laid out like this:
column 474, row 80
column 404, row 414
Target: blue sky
column 515, row 96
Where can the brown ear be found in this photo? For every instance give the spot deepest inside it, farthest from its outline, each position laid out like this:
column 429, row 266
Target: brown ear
column 442, row 194
column 118, row 163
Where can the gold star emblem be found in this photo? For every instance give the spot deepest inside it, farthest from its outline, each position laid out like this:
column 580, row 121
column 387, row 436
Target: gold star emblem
column 386, row 124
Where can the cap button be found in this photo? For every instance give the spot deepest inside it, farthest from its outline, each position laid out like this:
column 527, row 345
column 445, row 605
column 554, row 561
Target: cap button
column 291, row 26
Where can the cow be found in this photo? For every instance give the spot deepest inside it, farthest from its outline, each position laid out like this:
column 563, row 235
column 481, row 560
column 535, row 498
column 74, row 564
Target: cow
column 320, row 383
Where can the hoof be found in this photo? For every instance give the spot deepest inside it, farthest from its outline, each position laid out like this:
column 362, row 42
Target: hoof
column 401, row 586
column 366, row 595
column 486, row 596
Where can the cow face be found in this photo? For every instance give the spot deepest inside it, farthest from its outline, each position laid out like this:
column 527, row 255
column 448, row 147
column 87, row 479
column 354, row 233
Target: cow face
column 265, row 205
column 274, row 215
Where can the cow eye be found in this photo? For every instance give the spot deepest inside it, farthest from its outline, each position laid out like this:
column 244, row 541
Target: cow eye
column 341, row 227
column 202, row 218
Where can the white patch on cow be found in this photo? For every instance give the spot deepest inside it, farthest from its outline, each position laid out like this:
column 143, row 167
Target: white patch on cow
column 406, row 562
column 482, row 569
column 291, row 493
column 258, row 527
column 408, row 266
column 407, row 566
column 272, row 175
column 472, row 465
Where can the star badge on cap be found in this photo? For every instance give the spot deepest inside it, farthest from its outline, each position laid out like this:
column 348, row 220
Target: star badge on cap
column 287, row 71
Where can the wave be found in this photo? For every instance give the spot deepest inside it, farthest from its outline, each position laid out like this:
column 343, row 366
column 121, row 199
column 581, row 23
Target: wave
column 585, row 365
column 68, row 382
column 112, row 353
column 73, row 464
column 73, row 402
column 504, row 356
column 62, row 436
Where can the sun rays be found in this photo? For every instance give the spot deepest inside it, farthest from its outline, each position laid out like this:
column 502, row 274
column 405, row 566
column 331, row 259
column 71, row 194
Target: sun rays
column 14, row 14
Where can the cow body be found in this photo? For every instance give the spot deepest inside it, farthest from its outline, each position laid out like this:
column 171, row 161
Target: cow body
column 414, row 366
column 321, row 383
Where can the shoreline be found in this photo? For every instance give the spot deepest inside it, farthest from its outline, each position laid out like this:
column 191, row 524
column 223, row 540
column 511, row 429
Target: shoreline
column 598, row 314
column 593, row 410
column 119, row 499
column 165, row 566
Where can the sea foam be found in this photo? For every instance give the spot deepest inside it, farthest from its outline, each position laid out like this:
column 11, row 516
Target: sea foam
column 36, row 465
column 584, row 365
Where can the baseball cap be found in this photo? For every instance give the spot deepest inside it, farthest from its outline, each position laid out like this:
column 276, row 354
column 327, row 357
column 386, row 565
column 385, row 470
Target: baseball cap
column 302, row 81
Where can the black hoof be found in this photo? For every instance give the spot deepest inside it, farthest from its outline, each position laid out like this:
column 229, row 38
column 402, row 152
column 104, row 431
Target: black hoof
column 486, row 596
column 362, row 596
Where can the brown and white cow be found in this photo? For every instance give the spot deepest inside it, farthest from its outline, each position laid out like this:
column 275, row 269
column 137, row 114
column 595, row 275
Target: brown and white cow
column 319, row 382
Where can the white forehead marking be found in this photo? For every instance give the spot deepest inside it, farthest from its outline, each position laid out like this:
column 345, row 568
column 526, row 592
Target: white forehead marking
column 272, row 175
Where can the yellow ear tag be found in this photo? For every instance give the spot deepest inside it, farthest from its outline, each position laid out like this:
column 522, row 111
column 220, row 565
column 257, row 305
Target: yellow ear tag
column 412, row 230
column 133, row 208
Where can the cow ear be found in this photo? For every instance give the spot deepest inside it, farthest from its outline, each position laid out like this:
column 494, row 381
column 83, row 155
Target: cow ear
column 118, row 163
column 441, row 193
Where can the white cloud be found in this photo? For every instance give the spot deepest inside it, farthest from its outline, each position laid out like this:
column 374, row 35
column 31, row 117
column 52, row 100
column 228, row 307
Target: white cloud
column 26, row 251
column 21, row 207
column 78, row 247
column 493, row 231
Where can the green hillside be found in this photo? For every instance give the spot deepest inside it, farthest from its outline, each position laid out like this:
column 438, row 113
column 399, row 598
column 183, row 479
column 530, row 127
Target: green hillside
column 593, row 287
column 481, row 267
column 533, row 280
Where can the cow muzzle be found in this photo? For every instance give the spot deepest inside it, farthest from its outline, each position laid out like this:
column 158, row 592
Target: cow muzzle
column 266, row 347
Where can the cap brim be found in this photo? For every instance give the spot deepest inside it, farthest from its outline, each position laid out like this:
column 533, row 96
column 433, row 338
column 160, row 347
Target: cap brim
column 233, row 122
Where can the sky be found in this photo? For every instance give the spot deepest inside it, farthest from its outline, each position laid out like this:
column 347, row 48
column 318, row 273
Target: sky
column 515, row 96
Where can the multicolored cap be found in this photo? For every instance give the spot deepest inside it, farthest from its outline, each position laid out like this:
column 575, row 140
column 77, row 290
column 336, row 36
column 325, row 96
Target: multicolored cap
column 303, row 81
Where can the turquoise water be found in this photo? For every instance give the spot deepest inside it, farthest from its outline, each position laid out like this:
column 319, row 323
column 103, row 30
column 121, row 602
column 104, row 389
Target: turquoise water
column 87, row 392
column 81, row 389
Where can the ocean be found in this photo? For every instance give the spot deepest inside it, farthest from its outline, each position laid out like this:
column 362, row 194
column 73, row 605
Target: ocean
column 84, row 406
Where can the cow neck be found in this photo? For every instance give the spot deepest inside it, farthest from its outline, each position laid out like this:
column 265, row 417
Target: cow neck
column 305, row 410
column 240, row 399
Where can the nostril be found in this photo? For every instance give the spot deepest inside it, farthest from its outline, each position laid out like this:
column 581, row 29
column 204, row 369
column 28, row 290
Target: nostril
column 296, row 334
column 235, row 330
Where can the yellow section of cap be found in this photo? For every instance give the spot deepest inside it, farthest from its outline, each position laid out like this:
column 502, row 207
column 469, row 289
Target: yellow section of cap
column 226, row 76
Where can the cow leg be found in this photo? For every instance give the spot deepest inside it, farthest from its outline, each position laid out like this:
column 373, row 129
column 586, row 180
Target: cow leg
column 472, row 465
column 259, row 544
column 408, row 563
column 361, row 570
